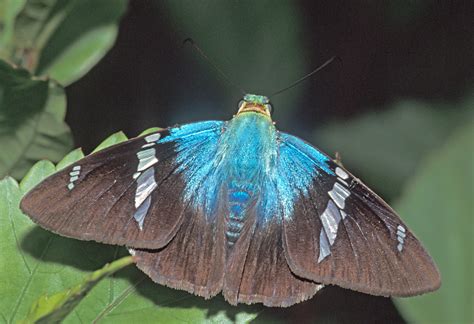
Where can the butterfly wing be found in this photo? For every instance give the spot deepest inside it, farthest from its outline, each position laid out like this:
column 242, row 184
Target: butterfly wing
column 194, row 259
column 129, row 194
column 340, row 232
column 257, row 270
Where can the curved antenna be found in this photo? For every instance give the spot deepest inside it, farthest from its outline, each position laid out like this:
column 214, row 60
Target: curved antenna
column 215, row 67
column 319, row 68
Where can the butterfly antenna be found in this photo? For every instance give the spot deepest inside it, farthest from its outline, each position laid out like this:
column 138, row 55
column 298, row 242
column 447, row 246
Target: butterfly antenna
column 209, row 61
column 319, row 68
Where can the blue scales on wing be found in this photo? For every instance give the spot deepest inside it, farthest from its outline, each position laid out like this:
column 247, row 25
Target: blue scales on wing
column 340, row 232
column 236, row 207
column 127, row 194
column 231, row 236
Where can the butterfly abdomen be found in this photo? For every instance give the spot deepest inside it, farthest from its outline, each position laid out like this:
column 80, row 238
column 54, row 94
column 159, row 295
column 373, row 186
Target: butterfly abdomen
column 249, row 147
column 239, row 199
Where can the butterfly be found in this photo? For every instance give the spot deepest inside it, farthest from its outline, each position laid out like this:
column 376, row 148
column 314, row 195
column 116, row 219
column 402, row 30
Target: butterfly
column 239, row 208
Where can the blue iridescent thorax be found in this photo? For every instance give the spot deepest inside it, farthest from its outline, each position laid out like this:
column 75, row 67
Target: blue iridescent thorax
column 248, row 148
column 244, row 166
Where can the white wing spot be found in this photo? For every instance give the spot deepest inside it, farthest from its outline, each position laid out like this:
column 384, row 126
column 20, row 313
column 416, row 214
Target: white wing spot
column 339, row 194
column 145, row 178
column 153, row 137
column 145, row 185
column 324, row 249
column 401, row 234
column 146, row 159
column 148, row 145
column 330, row 219
column 343, row 214
column 341, row 173
column 74, row 176
column 333, row 214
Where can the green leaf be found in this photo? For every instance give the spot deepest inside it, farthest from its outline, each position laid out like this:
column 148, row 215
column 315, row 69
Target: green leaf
column 77, row 59
column 64, row 39
column 32, row 124
column 113, row 139
column 438, row 202
column 41, row 170
column 150, row 130
column 385, row 148
column 39, row 262
column 70, row 158
column 9, row 9
column 53, row 309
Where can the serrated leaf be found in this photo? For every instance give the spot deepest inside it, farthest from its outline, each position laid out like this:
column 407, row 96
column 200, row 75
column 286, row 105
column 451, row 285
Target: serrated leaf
column 54, row 308
column 113, row 139
column 32, row 124
column 150, row 130
column 64, row 39
column 70, row 158
column 41, row 170
column 439, row 206
column 384, row 148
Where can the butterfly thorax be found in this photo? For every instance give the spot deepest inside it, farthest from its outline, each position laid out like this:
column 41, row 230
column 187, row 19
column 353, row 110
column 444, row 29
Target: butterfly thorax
column 248, row 144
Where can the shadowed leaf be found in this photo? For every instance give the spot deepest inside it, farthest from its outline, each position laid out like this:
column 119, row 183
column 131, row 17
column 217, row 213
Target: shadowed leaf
column 438, row 204
column 54, row 308
column 61, row 39
column 32, row 124
column 385, row 148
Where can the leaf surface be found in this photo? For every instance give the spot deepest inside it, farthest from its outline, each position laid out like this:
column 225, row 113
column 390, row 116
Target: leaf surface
column 32, row 126
column 439, row 206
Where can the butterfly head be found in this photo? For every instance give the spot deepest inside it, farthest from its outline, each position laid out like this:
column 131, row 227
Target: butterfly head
column 255, row 103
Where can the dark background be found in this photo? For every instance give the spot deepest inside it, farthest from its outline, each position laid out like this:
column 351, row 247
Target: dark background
column 390, row 50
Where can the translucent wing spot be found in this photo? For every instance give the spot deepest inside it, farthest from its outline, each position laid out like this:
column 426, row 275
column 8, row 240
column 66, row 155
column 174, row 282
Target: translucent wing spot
column 148, row 145
column 141, row 212
column 330, row 219
column 145, row 185
column 343, row 214
column 146, row 159
column 145, row 178
column 400, row 237
column 339, row 194
column 341, row 173
column 153, row 137
column 333, row 214
column 74, row 176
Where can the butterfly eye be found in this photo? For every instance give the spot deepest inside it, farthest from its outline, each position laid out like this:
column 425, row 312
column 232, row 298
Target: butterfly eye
column 269, row 108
